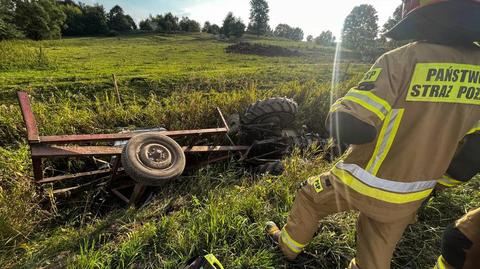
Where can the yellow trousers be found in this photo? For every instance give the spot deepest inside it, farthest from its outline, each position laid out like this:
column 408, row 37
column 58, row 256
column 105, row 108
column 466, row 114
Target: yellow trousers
column 317, row 199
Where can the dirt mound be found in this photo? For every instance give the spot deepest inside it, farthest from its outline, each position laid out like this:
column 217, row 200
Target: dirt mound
column 261, row 49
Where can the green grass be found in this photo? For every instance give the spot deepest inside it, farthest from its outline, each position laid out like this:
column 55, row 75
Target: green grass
column 219, row 209
column 153, row 63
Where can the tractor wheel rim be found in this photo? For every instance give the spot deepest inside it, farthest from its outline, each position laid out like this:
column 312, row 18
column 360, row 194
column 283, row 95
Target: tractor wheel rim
column 155, row 156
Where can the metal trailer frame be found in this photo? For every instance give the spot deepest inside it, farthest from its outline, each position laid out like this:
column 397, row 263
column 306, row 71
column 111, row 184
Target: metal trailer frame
column 79, row 145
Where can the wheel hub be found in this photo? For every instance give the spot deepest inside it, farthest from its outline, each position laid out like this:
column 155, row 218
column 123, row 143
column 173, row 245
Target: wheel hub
column 155, row 156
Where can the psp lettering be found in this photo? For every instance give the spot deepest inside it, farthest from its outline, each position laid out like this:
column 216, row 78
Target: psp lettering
column 372, row 75
column 369, row 75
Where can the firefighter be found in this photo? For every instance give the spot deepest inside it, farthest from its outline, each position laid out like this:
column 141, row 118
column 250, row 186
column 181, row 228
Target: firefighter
column 404, row 122
column 461, row 243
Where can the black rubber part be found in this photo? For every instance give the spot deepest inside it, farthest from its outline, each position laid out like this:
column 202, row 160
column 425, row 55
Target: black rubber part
column 146, row 175
column 272, row 168
column 454, row 245
column 466, row 164
column 277, row 110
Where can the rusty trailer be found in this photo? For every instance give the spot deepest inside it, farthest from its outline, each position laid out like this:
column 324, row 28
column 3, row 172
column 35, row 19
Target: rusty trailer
column 155, row 155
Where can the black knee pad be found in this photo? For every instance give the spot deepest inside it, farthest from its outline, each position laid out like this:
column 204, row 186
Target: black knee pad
column 454, row 244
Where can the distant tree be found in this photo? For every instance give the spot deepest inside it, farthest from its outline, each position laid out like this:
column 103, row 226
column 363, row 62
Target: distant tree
column 211, row 28
column 167, row 23
column 360, row 29
column 309, row 38
column 206, row 27
column 283, row 30
column 326, row 38
column 8, row 29
column 39, row 19
column 269, row 31
column 188, row 25
column 297, row 34
column 94, row 19
column 68, row 2
column 286, row 31
column 74, row 20
column 258, row 17
column 147, row 24
column 118, row 21
column 232, row 26
column 214, row 29
column 392, row 21
column 132, row 23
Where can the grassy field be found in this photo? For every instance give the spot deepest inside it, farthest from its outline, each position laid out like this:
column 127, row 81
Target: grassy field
column 175, row 81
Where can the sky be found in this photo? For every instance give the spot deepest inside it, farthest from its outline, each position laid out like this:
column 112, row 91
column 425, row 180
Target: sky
column 313, row 16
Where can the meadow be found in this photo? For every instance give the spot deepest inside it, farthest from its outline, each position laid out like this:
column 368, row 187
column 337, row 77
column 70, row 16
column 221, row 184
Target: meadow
column 176, row 81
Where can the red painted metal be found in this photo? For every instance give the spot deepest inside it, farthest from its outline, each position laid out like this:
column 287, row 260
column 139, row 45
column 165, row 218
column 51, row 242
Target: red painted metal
column 47, row 151
column 137, row 193
column 115, row 168
column 208, row 149
column 37, row 168
column 120, row 195
column 28, row 117
column 64, row 139
column 73, row 176
column 225, row 124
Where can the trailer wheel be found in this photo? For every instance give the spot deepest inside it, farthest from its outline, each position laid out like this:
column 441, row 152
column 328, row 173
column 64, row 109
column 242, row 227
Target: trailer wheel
column 278, row 111
column 153, row 159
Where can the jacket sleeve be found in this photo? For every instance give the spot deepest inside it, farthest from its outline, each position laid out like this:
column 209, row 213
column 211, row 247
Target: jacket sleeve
column 466, row 162
column 365, row 106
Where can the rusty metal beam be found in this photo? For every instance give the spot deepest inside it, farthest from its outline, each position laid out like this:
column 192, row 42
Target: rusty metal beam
column 120, row 195
column 116, row 165
column 68, row 191
column 137, row 193
column 37, row 168
column 73, row 151
column 47, row 151
column 200, row 149
column 28, row 117
column 73, row 176
column 225, row 124
column 63, row 139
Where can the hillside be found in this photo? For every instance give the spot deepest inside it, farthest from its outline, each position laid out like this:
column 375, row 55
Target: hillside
column 175, row 81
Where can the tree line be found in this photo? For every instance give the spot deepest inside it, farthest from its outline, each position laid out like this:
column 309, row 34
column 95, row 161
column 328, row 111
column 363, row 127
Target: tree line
column 50, row 19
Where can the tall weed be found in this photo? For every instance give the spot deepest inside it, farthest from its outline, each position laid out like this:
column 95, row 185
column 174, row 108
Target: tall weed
column 17, row 55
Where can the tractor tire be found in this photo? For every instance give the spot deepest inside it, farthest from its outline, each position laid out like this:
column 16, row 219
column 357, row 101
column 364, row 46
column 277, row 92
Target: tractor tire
column 278, row 111
column 153, row 159
column 273, row 168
